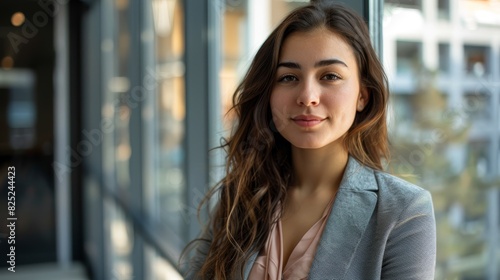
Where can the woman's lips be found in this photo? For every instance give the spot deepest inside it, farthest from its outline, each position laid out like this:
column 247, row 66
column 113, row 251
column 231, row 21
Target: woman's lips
column 307, row 120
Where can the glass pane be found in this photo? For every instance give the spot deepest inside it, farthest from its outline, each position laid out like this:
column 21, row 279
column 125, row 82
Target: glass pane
column 158, row 268
column 121, row 237
column 445, row 127
column 163, row 38
column 120, row 88
column 171, row 108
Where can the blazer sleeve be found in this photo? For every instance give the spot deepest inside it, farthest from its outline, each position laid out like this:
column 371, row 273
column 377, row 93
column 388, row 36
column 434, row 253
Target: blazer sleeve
column 199, row 252
column 411, row 246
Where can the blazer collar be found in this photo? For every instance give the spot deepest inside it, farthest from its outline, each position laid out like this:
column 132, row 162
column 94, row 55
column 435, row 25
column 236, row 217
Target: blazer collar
column 351, row 212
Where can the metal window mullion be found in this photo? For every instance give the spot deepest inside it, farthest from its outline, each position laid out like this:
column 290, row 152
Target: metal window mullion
column 93, row 180
column 215, row 129
column 61, row 123
column 196, row 96
column 375, row 20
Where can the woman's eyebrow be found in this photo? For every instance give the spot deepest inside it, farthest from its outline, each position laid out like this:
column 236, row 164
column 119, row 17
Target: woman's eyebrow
column 329, row 62
column 320, row 63
column 289, row 65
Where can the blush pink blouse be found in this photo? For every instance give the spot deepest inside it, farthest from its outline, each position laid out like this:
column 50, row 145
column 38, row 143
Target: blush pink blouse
column 269, row 265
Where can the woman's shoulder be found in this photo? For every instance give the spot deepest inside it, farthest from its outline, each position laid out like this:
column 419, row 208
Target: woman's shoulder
column 387, row 180
column 397, row 192
column 392, row 192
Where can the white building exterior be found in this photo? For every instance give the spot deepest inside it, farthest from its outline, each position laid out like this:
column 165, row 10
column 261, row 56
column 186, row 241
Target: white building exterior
column 459, row 40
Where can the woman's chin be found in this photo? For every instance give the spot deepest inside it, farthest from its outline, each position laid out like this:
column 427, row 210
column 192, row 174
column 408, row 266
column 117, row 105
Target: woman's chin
column 307, row 145
column 315, row 145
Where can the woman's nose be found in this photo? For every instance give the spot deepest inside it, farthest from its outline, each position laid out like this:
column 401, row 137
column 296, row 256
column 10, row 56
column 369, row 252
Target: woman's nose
column 309, row 94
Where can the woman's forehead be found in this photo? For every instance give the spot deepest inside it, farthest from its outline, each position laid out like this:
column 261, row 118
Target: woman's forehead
column 314, row 45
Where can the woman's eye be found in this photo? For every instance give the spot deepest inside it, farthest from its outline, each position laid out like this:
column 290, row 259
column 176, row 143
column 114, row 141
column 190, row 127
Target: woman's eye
column 287, row 78
column 332, row 77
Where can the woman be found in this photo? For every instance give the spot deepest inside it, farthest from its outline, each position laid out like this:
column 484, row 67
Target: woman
column 304, row 195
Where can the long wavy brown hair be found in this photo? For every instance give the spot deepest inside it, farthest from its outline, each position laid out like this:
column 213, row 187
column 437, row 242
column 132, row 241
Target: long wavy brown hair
column 258, row 167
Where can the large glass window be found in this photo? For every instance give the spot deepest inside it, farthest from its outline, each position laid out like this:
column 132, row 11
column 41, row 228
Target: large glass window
column 118, row 150
column 143, row 157
column 446, row 124
column 169, row 49
column 164, row 112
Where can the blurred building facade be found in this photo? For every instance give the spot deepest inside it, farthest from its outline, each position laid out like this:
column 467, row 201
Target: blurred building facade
column 443, row 63
column 111, row 107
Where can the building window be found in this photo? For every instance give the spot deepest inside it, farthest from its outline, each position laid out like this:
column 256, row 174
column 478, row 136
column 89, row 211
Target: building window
column 402, row 106
column 476, row 60
column 477, row 105
column 443, row 9
column 444, row 57
column 478, row 152
column 408, row 57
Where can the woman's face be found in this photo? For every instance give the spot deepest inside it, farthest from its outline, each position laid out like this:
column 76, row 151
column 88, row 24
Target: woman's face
column 317, row 91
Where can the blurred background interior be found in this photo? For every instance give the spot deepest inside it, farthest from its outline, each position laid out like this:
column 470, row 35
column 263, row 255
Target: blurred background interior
column 108, row 110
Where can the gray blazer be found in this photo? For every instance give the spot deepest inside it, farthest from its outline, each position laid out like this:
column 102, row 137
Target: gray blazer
column 380, row 227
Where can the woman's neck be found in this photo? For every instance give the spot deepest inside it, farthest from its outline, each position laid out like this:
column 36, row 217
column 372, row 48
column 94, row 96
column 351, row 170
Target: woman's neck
column 318, row 169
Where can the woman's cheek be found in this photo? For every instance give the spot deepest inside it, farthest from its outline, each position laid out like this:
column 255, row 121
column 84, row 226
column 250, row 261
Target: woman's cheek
column 279, row 119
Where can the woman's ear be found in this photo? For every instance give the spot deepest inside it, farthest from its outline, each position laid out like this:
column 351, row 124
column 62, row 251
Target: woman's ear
column 363, row 99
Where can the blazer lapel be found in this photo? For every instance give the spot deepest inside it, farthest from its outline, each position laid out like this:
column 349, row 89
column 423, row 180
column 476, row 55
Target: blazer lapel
column 351, row 213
